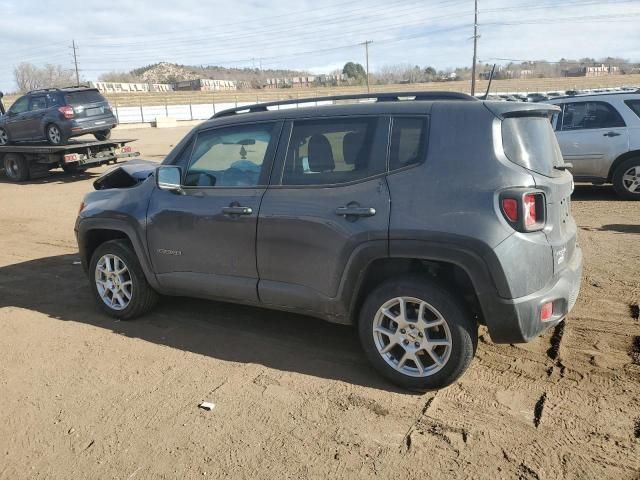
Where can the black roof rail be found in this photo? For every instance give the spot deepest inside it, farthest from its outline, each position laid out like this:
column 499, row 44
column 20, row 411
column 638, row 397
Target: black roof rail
column 59, row 89
column 378, row 97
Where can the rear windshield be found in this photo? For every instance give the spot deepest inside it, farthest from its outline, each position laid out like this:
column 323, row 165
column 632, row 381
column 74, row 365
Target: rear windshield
column 531, row 143
column 634, row 105
column 84, row 97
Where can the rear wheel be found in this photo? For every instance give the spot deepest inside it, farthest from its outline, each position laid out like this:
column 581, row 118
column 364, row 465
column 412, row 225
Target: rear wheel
column 16, row 167
column 103, row 135
column 72, row 168
column 54, row 135
column 626, row 179
column 4, row 137
column 416, row 334
column 118, row 282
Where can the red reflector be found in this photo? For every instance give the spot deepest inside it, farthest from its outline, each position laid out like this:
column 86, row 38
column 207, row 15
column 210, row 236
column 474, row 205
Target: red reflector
column 66, row 111
column 530, row 210
column 71, row 157
column 546, row 312
column 510, row 208
column 125, row 149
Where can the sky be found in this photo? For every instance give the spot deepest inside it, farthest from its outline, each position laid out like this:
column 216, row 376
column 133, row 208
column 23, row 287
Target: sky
column 307, row 34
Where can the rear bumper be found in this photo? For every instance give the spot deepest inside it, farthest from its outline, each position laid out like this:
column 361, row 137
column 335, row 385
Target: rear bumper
column 518, row 320
column 76, row 128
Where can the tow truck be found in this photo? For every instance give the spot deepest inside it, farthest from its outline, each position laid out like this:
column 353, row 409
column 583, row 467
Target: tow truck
column 24, row 161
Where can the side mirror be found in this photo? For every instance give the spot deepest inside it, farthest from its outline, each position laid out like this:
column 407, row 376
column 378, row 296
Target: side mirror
column 168, row 178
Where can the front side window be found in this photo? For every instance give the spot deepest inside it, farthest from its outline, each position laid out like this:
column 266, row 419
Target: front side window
column 590, row 115
column 38, row 103
column 331, row 151
column 634, row 105
column 230, row 157
column 408, row 141
column 20, row 106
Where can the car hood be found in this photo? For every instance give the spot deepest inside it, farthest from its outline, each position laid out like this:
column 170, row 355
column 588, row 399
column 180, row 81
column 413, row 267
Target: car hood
column 126, row 175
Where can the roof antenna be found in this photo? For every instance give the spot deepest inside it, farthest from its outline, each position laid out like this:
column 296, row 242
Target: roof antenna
column 486, row 95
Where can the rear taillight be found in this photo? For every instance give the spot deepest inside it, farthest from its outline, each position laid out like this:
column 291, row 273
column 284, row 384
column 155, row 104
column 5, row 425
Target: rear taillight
column 525, row 211
column 546, row 312
column 66, row 111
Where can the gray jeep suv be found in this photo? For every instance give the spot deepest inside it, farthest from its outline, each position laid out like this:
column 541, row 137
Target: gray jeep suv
column 56, row 115
column 414, row 217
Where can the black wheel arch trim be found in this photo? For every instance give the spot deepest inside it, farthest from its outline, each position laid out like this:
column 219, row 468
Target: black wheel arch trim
column 618, row 161
column 87, row 225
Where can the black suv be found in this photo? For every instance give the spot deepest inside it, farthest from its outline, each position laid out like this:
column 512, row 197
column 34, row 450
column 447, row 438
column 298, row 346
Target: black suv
column 414, row 217
column 57, row 114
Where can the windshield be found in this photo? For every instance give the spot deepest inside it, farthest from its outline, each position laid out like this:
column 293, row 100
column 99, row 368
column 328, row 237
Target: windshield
column 531, row 143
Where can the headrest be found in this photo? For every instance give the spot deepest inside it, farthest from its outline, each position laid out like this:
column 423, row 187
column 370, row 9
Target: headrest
column 320, row 155
column 352, row 144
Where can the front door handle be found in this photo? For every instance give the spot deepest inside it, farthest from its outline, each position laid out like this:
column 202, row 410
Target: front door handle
column 355, row 211
column 612, row 134
column 237, row 210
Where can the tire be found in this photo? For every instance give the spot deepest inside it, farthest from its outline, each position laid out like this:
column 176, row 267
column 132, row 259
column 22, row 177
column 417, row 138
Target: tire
column 142, row 297
column 16, row 167
column 448, row 321
column 4, row 137
column 626, row 179
column 55, row 135
column 103, row 135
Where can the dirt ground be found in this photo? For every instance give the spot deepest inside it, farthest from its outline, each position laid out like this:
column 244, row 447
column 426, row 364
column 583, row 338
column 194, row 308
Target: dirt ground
column 84, row 396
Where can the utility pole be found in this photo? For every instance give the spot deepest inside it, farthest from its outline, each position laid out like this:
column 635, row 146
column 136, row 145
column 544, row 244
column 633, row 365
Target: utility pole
column 366, row 50
column 475, row 50
column 75, row 61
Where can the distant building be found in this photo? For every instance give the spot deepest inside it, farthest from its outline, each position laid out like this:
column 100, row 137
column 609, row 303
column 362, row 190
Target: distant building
column 291, row 82
column 206, row 85
column 593, row 71
column 123, row 87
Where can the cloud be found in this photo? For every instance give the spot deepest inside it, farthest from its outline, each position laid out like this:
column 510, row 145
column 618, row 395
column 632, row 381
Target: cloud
column 304, row 34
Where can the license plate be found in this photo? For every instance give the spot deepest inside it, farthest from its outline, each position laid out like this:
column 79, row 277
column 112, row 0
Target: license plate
column 95, row 111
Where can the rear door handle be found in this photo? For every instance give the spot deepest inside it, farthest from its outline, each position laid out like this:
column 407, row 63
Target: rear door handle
column 237, row 210
column 612, row 134
column 355, row 211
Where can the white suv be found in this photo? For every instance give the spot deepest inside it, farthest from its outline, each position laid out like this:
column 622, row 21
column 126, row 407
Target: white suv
column 600, row 135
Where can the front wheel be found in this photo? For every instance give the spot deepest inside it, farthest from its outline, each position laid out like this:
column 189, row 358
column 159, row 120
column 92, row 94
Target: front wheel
column 103, row 135
column 416, row 334
column 118, row 282
column 626, row 179
column 54, row 135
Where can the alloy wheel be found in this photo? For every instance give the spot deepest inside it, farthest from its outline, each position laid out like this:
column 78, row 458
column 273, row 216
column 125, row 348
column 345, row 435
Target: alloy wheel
column 631, row 179
column 412, row 336
column 113, row 282
column 53, row 133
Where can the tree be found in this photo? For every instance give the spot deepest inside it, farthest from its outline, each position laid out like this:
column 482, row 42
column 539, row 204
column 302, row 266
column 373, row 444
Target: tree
column 355, row 71
column 29, row 77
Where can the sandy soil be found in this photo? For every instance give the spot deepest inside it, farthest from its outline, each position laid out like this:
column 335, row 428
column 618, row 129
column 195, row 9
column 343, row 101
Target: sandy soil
column 84, row 396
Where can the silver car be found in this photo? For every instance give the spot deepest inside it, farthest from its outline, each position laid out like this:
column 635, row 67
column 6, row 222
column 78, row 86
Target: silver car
column 600, row 136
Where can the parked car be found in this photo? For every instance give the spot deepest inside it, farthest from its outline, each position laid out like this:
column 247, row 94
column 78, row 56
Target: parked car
column 56, row 115
column 537, row 97
column 413, row 220
column 600, row 136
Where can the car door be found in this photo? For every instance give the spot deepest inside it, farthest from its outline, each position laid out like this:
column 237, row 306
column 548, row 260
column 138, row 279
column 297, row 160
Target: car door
column 327, row 203
column 591, row 134
column 37, row 111
column 202, row 242
column 16, row 122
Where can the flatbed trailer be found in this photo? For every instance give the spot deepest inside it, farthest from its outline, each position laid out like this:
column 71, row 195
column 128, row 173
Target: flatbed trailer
column 23, row 161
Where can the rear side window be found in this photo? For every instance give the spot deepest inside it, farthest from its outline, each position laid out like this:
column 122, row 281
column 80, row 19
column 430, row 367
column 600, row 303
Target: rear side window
column 531, row 143
column 325, row 152
column 589, row 115
column 408, row 141
column 634, row 105
column 84, row 97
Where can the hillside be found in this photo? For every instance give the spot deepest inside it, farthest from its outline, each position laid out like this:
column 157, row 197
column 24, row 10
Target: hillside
column 165, row 72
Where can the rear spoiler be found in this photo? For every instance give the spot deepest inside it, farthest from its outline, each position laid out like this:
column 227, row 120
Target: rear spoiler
column 516, row 109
